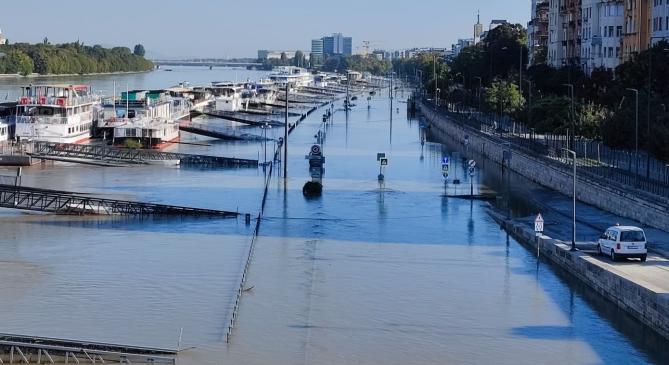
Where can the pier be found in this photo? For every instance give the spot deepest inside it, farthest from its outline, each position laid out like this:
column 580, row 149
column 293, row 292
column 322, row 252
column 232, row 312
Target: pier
column 107, row 154
column 60, row 202
column 231, row 117
column 215, row 133
column 17, row 349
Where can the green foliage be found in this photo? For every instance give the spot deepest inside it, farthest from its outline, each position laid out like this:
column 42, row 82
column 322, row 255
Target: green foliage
column 70, row 58
column 504, row 96
column 131, row 143
column 299, row 60
column 425, row 64
column 139, row 50
column 16, row 62
column 368, row 64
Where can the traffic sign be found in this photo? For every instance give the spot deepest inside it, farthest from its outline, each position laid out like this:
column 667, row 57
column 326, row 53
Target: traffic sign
column 539, row 224
column 315, row 149
column 446, row 160
column 384, row 162
column 472, row 164
column 379, row 156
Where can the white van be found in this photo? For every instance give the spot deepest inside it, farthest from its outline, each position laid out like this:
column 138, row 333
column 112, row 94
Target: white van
column 621, row 242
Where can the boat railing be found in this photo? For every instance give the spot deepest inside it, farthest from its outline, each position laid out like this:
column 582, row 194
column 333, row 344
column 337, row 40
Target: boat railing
column 41, row 119
column 59, row 101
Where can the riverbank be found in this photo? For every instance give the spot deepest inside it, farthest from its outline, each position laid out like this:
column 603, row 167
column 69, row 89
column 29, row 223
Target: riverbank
column 624, row 202
column 640, row 289
column 36, row 75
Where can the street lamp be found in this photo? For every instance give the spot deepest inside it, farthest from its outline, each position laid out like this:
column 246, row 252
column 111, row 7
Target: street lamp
column 636, row 133
column 572, row 141
column 529, row 106
column 573, row 227
column 478, row 93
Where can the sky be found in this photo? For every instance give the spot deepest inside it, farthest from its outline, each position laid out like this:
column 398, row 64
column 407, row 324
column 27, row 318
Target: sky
column 226, row 29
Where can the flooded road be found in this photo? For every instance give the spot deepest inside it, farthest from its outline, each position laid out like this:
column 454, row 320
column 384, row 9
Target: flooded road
column 369, row 273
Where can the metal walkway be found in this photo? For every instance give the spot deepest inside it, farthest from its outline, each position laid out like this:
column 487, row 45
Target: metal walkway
column 49, row 150
column 216, row 133
column 16, row 349
column 233, row 118
column 59, row 202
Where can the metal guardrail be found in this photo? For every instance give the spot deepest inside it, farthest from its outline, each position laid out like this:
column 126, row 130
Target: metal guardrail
column 606, row 166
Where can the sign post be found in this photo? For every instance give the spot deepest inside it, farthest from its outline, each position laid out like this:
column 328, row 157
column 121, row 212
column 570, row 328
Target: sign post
column 472, row 166
column 538, row 229
column 383, row 161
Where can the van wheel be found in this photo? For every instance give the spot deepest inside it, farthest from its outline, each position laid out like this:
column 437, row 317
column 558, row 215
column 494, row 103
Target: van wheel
column 613, row 256
column 599, row 250
column 643, row 258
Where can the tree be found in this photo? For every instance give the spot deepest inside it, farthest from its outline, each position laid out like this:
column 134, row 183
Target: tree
column 504, row 96
column 299, row 60
column 19, row 62
column 139, row 50
column 284, row 58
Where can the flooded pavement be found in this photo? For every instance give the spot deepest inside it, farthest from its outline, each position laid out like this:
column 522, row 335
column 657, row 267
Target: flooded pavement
column 369, row 273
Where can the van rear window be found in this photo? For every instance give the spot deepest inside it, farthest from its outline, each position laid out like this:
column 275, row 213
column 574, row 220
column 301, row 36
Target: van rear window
column 632, row 236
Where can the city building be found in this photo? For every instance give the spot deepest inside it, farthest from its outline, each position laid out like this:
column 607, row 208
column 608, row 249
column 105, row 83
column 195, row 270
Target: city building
column 3, row 40
column 348, row 46
column 537, row 31
column 564, row 33
column 264, row 54
column 660, row 21
column 337, row 44
column 602, row 34
column 462, row 44
column 496, row 23
column 478, row 29
column 316, row 56
column 636, row 28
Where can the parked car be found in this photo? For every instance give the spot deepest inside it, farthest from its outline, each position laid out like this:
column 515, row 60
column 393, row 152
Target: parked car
column 621, row 242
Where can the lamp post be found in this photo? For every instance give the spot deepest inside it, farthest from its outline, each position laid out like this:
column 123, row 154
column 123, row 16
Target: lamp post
column 572, row 141
column 529, row 97
column 636, row 136
column 573, row 227
column 478, row 92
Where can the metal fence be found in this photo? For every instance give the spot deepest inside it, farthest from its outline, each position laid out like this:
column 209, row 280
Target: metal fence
column 622, row 169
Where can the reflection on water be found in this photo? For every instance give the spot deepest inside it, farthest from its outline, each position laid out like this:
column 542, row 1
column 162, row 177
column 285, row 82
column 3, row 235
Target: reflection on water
column 396, row 273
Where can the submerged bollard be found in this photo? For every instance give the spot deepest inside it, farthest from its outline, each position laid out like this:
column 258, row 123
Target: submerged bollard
column 247, row 219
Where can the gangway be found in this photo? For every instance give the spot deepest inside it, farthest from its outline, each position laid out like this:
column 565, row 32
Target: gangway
column 49, row 150
column 61, row 202
column 19, row 349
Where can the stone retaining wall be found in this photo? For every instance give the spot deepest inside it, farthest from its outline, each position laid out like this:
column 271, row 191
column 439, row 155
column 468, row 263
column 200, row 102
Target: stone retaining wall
column 556, row 176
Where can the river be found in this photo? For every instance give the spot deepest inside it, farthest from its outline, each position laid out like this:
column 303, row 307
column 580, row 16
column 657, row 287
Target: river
column 369, row 273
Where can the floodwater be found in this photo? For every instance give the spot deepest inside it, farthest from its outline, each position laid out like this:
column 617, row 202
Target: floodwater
column 369, row 273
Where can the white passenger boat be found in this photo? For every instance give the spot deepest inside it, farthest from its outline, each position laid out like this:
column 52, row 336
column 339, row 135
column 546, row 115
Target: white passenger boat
column 295, row 76
column 7, row 120
column 146, row 132
column 228, row 96
column 56, row 113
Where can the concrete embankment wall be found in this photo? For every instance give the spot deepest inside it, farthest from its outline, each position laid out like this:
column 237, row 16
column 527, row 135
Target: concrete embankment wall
column 555, row 176
column 644, row 304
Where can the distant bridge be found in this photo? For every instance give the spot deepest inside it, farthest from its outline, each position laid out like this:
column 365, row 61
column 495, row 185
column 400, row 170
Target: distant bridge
column 216, row 63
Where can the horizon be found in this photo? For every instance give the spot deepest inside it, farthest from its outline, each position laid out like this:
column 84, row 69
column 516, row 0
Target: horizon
column 208, row 34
